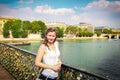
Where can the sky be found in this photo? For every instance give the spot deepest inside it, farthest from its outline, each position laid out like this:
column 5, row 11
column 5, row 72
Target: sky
column 95, row 12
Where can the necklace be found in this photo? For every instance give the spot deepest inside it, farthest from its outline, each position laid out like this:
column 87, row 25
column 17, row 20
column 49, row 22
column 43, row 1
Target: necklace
column 52, row 47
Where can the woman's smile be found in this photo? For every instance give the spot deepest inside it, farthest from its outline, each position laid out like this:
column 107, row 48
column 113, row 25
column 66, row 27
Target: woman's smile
column 51, row 37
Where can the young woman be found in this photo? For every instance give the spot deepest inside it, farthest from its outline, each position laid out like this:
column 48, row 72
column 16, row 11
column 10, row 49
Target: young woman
column 48, row 56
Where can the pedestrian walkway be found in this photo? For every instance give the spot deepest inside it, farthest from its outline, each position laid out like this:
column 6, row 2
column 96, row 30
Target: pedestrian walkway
column 4, row 75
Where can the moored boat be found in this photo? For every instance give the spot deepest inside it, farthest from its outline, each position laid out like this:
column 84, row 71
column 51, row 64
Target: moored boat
column 20, row 44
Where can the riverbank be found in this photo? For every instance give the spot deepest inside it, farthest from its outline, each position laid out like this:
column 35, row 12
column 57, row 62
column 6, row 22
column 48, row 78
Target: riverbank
column 12, row 40
column 39, row 39
column 81, row 38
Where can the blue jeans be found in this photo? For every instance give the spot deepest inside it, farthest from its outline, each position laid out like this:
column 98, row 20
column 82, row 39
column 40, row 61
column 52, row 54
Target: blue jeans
column 44, row 77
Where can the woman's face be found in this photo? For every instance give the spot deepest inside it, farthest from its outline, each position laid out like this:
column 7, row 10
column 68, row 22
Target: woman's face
column 51, row 37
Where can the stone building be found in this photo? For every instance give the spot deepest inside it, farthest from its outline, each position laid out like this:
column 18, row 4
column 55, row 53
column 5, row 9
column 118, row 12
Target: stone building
column 87, row 26
column 56, row 24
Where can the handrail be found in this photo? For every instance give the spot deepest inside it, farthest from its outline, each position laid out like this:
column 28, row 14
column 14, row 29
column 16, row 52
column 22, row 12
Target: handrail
column 20, row 64
column 80, row 74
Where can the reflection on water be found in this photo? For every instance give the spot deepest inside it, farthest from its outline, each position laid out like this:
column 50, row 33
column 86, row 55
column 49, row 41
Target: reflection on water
column 99, row 56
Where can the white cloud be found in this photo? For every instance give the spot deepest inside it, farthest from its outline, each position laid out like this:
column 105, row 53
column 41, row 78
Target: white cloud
column 75, row 17
column 102, row 12
column 45, row 9
column 30, row 17
column 24, row 13
column 26, row 1
column 26, row 9
column 103, row 5
column 98, row 13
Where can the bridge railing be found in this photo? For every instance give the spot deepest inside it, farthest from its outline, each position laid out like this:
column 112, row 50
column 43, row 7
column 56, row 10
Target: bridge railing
column 20, row 64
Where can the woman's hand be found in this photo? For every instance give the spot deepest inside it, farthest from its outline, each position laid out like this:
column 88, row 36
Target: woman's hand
column 56, row 67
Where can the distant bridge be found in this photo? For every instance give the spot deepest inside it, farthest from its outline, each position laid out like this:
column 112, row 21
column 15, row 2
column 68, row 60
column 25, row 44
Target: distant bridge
column 111, row 36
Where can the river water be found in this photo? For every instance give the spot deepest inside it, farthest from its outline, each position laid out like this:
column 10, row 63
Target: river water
column 98, row 56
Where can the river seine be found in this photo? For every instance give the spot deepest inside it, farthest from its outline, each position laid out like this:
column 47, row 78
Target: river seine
column 98, row 56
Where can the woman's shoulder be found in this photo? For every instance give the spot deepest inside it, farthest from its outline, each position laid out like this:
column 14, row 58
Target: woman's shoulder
column 42, row 46
column 56, row 43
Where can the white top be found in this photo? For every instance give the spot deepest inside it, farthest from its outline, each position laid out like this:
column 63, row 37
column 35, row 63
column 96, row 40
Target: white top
column 51, row 58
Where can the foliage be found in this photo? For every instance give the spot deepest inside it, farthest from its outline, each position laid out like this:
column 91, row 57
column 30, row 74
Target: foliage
column 43, row 27
column 15, row 29
column 60, row 32
column 24, row 33
column 98, row 33
column 71, row 30
column 84, row 33
column 6, row 29
column 79, row 32
column 25, row 28
column 20, row 28
column 6, row 33
column 26, row 25
column 107, row 31
column 35, row 27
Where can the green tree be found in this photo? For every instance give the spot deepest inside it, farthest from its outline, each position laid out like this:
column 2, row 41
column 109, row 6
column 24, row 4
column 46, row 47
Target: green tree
column 25, row 27
column 24, row 33
column 35, row 27
column 6, row 33
column 110, row 31
column 79, row 32
column 43, row 27
column 6, row 28
column 85, row 31
column 71, row 30
column 98, row 33
column 90, row 34
column 107, row 31
column 60, row 32
column 16, row 28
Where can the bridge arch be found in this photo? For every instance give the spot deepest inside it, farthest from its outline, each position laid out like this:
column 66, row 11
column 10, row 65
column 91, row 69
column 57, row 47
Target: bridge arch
column 119, row 36
column 111, row 36
column 106, row 36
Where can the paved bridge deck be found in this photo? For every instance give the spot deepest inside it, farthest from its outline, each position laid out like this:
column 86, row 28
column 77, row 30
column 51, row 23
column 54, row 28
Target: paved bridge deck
column 4, row 75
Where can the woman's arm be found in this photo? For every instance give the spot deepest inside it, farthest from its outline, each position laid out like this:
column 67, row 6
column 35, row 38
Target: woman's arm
column 39, row 56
